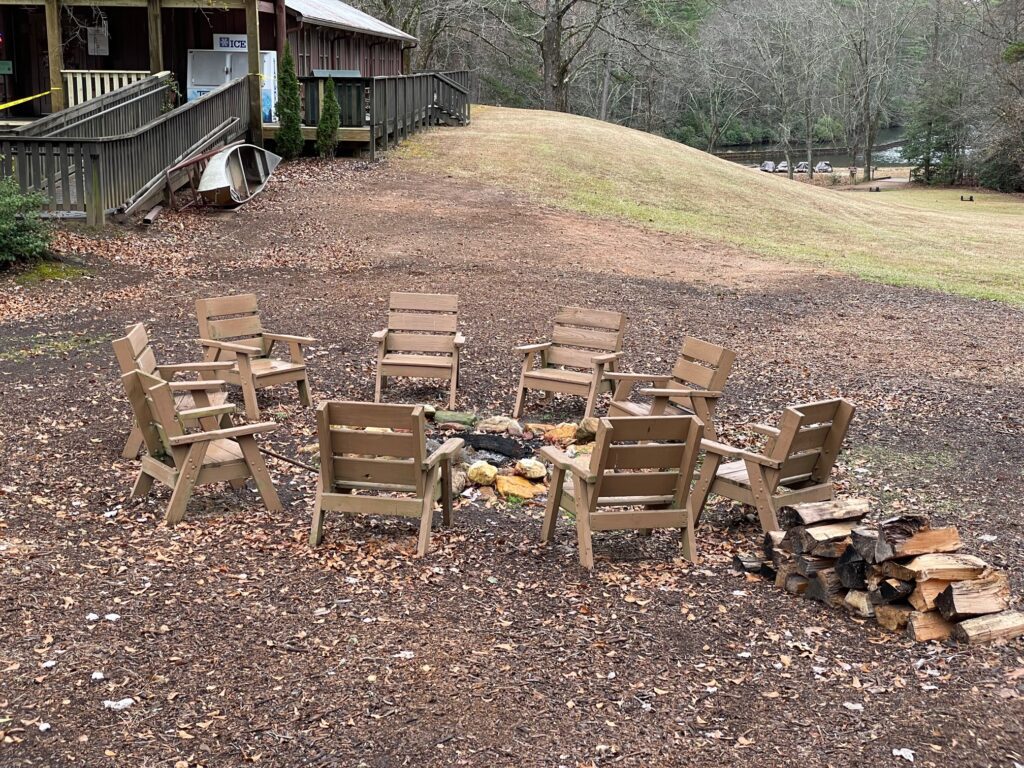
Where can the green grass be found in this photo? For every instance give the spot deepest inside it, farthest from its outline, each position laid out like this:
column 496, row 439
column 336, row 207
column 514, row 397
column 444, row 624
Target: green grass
column 917, row 237
column 43, row 271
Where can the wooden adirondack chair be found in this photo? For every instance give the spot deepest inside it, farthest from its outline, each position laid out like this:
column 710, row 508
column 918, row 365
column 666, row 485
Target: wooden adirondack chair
column 794, row 467
column 134, row 353
column 421, row 341
column 393, row 462
column 584, row 345
column 637, row 462
column 230, row 329
column 180, row 460
column 694, row 386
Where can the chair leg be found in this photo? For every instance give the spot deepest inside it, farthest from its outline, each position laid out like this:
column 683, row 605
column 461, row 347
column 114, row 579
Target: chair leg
column 143, row 485
column 377, row 386
column 689, row 536
column 426, row 519
column 260, row 475
column 304, row 395
column 702, row 488
column 584, row 535
column 520, row 397
column 446, row 493
column 547, row 528
column 316, row 529
column 252, row 407
column 766, row 512
column 451, row 392
column 187, row 477
column 133, row 445
column 591, row 401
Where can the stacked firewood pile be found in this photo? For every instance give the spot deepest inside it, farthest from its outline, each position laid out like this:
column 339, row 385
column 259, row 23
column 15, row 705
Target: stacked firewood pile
column 902, row 572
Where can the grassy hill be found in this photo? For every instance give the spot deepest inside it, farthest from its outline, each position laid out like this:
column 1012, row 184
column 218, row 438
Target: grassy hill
column 920, row 237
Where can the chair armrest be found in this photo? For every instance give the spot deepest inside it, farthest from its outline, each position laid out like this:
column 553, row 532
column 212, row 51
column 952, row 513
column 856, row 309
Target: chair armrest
column 618, row 376
column 446, row 452
column 712, row 446
column 763, row 429
column 188, row 386
column 669, row 392
column 605, row 358
column 301, row 340
column 459, row 339
column 380, row 335
column 227, row 346
column 528, row 348
column 218, row 365
column 202, row 413
column 577, row 466
column 225, row 434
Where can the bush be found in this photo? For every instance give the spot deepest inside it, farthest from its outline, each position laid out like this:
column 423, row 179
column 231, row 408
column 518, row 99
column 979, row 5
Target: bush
column 330, row 117
column 289, row 142
column 23, row 234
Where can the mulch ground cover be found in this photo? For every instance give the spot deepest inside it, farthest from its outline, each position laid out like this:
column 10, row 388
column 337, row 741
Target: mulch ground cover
column 237, row 644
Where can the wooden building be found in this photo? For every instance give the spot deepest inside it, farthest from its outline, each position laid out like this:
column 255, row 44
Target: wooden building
column 78, row 49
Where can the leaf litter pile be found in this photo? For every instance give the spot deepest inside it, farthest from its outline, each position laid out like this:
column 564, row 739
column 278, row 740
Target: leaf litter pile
column 227, row 641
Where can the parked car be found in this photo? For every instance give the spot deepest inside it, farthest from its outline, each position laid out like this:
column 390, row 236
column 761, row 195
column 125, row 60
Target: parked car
column 768, row 166
column 803, row 167
column 782, row 167
column 823, row 167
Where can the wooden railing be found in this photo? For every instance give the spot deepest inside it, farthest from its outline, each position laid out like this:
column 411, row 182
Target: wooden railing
column 82, row 85
column 81, row 114
column 392, row 107
column 97, row 175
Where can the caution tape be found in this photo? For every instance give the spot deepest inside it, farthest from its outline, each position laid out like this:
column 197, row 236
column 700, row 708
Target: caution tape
column 27, row 98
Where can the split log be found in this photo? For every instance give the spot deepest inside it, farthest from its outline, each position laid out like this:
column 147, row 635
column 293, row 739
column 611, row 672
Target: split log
column 965, row 599
column 767, row 571
column 894, row 590
column 783, row 572
column 928, row 626
column 826, row 588
column 937, row 566
column 772, row 542
column 809, row 565
column 796, row 584
column 858, row 601
column 823, row 511
column 904, row 536
column 925, row 592
column 852, row 569
column 986, row 629
column 893, row 617
column 827, row 540
column 746, row 563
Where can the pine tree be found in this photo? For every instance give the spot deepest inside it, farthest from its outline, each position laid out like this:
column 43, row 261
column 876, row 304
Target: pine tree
column 330, row 117
column 289, row 117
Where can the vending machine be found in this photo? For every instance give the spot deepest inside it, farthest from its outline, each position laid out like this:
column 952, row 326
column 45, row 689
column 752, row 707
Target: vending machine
column 229, row 60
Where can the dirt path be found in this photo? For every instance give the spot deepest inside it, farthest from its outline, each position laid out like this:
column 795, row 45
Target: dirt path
column 239, row 645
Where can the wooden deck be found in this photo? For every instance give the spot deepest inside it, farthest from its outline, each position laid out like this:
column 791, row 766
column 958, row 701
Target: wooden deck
column 352, row 135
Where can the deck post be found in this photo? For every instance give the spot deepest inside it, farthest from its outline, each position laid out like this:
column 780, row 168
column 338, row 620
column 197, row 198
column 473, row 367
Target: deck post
column 252, row 31
column 55, row 54
column 371, row 110
column 95, row 208
column 387, row 102
column 280, row 27
column 156, row 38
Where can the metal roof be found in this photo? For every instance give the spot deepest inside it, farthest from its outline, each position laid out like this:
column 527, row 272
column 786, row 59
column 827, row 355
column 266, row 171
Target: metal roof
column 334, row 13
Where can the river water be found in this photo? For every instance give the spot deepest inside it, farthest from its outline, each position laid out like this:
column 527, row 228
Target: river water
column 829, row 154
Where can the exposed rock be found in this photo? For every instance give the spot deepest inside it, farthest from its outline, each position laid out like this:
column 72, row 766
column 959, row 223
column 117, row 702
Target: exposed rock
column 498, row 424
column 581, row 450
column 455, row 417
column 533, row 426
column 563, row 434
column 451, row 426
column 531, row 469
column 428, row 410
column 514, row 429
column 587, row 429
column 513, row 485
column 459, row 480
column 482, row 473
column 432, row 445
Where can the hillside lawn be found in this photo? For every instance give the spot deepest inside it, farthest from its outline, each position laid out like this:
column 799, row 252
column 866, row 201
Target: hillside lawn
column 240, row 646
column 919, row 237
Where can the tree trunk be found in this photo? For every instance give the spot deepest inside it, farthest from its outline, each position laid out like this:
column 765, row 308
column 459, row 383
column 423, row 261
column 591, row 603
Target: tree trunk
column 810, row 146
column 606, row 84
column 551, row 56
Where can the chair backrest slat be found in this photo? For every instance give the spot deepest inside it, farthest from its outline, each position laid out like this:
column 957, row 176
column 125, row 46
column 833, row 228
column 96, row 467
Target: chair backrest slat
column 153, row 406
column 231, row 318
column 808, row 442
column 701, row 365
column 360, row 450
column 640, row 457
column 423, row 322
column 580, row 334
column 133, row 351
